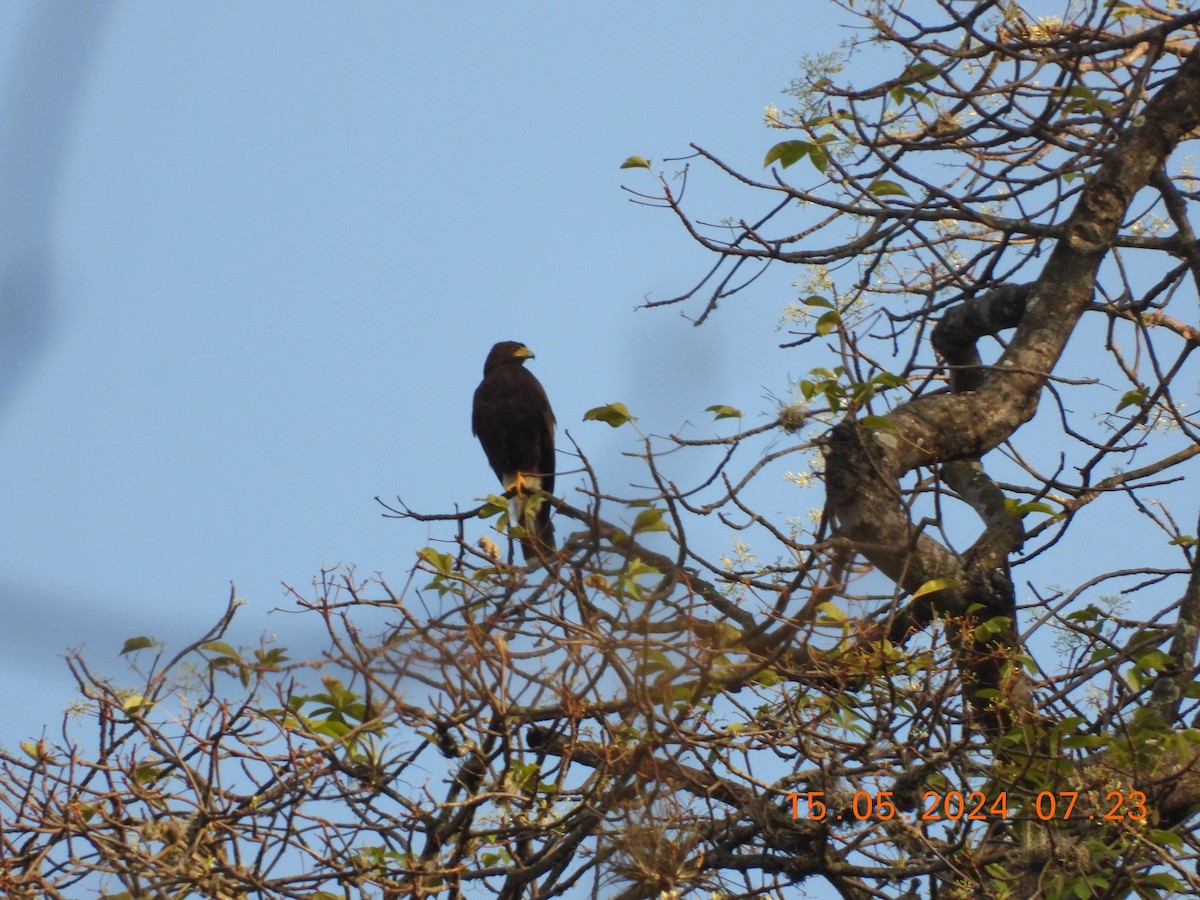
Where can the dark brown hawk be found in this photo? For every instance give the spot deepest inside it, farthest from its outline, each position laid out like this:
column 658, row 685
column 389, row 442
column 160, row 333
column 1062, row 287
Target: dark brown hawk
column 512, row 418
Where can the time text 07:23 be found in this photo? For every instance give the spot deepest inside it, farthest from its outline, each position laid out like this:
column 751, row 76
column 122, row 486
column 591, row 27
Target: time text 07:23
column 973, row 806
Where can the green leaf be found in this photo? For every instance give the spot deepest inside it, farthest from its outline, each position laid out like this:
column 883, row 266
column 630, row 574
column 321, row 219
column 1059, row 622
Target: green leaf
column 838, row 372
column 918, row 71
column 898, row 94
column 1131, row 398
column 879, row 422
column 724, row 412
column 442, row 562
column 818, row 301
column 1084, row 99
column 649, row 520
column 1166, row 838
column 1019, row 510
column 615, row 415
column 819, row 158
column 494, row 505
column 934, row 585
column 146, row 773
column 1165, row 880
column 1155, row 661
column 767, row 678
column 138, row 643
column 828, row 322
column 1133, row 678
column 789, row 152
column 831, row 612
column 331, row 728
column 654, row 661
column 884, row 188
column 637, row 568
column 271, row 658
column 137, row 703
column 636, row 162
column 682, row 692
column 221, row 648
column 992, row 627
column 628, row 584
column 889, row 380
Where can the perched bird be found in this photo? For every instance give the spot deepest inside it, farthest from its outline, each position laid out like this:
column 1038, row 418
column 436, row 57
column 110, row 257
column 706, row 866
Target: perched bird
column 512, row 418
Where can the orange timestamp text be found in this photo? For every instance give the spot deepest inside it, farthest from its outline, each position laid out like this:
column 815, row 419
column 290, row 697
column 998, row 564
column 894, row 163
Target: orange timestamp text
column 951, row 806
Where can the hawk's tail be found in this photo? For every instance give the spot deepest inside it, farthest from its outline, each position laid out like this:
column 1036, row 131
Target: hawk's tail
column 540, row 541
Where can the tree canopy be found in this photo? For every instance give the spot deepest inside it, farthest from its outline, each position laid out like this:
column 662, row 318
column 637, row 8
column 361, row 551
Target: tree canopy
column 961, row 662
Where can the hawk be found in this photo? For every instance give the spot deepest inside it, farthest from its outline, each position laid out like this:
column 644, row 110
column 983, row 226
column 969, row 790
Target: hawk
column 512, row 418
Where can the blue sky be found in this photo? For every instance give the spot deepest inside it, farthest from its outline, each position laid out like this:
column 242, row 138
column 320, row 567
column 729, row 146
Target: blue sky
column 261, row 251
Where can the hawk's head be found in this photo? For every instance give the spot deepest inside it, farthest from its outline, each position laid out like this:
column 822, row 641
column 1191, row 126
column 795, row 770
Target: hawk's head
column 507, row 353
